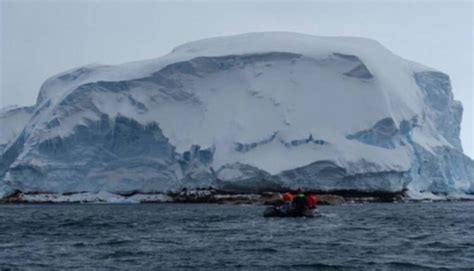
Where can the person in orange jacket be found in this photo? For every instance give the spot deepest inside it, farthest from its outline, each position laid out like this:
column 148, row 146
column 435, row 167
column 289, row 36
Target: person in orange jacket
column 311, row 201
column 287, row 197
column 287, row 201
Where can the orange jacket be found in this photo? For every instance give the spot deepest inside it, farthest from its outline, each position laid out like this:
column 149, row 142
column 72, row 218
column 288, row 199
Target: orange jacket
column 288, row 197
column 311, row 201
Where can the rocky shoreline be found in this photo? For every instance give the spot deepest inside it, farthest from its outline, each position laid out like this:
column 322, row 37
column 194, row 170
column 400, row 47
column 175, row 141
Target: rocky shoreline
column 217, row 197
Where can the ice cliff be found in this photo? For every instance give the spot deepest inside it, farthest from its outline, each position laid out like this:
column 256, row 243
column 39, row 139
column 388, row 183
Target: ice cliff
column 252, row 112
column 12, row 121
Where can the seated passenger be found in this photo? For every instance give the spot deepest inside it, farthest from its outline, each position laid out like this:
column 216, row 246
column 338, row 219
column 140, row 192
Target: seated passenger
column 311, row 201
column 287, row 200
column 299, row 203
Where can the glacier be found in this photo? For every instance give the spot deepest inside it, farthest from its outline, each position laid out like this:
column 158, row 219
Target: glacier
column 246, row 113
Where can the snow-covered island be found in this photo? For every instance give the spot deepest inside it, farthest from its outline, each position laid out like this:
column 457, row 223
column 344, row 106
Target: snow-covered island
column 245, row 114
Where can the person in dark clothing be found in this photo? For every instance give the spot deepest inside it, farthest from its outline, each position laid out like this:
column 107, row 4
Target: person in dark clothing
column 299, row 203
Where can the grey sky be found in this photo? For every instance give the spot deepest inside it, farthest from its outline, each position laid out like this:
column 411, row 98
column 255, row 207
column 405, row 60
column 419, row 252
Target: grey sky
column 41, row 38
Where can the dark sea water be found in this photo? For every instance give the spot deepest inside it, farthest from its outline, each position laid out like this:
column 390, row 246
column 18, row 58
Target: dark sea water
column 187, row 236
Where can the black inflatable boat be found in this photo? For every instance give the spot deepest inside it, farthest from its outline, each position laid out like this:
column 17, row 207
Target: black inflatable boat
column 279, row 212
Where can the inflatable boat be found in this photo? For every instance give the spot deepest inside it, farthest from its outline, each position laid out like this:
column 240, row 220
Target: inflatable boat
column 279, row 212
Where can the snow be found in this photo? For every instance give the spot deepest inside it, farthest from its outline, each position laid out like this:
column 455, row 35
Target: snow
column 87, row 197
column 286, row 104
column 7, row 108
column 428, row 196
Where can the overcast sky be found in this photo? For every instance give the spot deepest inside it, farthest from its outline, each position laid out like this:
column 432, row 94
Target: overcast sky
column 41, row 38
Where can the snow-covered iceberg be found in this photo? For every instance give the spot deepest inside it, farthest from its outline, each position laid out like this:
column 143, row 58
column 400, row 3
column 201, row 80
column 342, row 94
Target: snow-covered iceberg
column 252, row 112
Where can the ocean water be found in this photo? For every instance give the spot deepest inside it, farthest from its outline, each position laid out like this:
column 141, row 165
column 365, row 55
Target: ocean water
column 187, row 236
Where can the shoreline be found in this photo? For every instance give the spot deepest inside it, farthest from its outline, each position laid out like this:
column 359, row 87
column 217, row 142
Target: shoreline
column 213, row 196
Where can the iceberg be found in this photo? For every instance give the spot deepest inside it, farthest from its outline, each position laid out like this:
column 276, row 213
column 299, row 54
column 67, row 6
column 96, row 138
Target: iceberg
column 244, row 113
